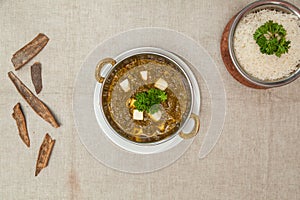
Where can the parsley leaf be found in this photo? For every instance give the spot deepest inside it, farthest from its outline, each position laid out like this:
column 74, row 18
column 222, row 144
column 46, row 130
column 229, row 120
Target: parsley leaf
column 147, row 101
column 270, row 37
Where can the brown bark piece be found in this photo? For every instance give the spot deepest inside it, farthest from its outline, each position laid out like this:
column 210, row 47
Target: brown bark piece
column 44, row 153
column 227, row 59
column 36, row 76
column 30, row 50
column 21, row 123
column 36, row 104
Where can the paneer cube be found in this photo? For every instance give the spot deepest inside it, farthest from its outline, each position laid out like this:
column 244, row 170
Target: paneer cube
column 161, row 84
column 144, row 75
column 125, row 85
column 156, row 116
column 137, row 115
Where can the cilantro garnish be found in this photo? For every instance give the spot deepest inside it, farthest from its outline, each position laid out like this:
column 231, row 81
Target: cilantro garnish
column 271, row 39
column 146, row 101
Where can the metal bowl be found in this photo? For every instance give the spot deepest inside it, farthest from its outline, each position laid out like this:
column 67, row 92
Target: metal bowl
column 254, row 7
column 106, row 71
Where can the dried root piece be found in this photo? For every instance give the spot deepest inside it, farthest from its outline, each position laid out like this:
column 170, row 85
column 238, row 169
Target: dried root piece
column 21, row 123
column 36, row 104
column 29, row 51
column 44, row 153
column 36, row 76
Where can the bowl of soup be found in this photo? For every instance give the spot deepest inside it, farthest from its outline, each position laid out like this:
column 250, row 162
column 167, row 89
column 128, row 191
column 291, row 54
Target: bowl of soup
column 146, row 97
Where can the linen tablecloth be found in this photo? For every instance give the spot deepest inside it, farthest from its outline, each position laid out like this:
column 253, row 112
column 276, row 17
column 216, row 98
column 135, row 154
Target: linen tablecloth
column 257, row 156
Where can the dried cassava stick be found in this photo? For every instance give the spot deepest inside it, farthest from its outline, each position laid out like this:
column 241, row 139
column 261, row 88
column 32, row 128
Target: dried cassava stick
column 30, row 50
column 36, row 76
column 44, row 153
column 21, row 123
column 37, row 105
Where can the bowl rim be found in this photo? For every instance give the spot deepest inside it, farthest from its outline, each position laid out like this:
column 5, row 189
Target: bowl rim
column 172, row 57
column 282, row 5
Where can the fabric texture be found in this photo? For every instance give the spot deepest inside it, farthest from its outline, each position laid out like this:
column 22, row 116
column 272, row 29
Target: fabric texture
column 257, row 156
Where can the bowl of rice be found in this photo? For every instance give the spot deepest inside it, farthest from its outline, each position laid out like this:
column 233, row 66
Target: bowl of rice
column 264, row 43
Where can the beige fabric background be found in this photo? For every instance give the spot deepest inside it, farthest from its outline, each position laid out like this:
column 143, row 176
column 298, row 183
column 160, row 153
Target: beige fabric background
column 257, row 156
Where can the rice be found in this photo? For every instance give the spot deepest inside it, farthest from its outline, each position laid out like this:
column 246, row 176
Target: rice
column 262, row 66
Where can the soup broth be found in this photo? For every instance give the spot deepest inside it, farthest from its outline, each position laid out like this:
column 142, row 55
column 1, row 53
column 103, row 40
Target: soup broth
column 117, row 98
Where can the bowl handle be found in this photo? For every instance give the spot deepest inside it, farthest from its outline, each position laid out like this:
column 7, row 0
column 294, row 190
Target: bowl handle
column 195, row 129
column 99, row 67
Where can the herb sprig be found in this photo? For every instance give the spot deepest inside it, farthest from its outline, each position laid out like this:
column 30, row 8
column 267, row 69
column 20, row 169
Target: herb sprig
column 271, row 39
column 146, row 101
